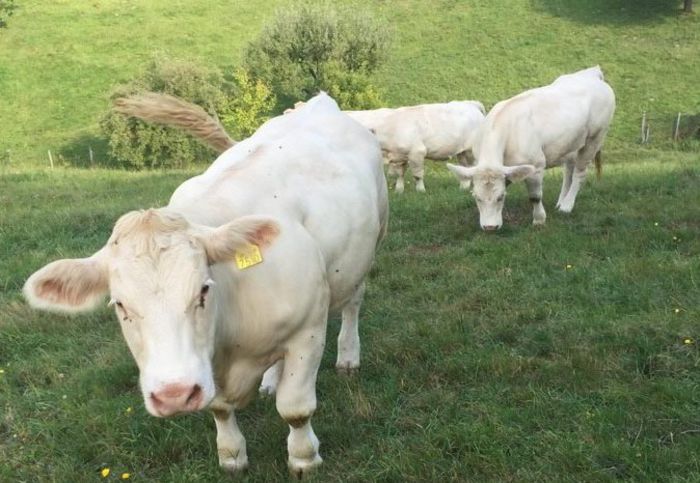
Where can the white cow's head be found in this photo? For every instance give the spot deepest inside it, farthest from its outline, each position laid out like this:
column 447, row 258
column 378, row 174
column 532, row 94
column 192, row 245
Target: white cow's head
column 489, row 188
column 156, row 267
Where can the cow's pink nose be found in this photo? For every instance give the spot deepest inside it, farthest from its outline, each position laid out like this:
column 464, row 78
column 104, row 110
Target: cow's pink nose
column 177, row 398
column 490, row 227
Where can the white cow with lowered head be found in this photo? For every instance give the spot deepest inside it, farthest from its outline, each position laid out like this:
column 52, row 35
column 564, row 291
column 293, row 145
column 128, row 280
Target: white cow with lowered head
column 238, row 273
column 562, row 123
column 410, row 134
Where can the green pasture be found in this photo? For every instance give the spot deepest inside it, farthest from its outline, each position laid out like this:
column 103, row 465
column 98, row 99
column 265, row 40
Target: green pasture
column 569, row 352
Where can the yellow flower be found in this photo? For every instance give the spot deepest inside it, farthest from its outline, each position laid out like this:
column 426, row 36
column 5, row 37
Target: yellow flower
column 688, row 341
column 104, row 472
column 569, row 266
column 676, row 311
column 126, row 476
column 2, row 371
column 656, row 223
column 129, row 410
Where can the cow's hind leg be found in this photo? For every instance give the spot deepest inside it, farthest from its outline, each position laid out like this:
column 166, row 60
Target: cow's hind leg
column 397, row 167
column 271, row 378
column 580, row 168
column 349, row 338
column 230, row 442
column 566, row 181
column 465, row 158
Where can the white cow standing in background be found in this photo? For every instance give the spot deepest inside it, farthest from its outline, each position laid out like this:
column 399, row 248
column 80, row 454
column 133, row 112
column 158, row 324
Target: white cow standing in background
column 408, row 135
column 238, row 273
column 562, row 123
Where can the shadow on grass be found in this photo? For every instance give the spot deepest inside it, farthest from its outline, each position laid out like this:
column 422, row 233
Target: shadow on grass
column 618, row 12
column 87, row 151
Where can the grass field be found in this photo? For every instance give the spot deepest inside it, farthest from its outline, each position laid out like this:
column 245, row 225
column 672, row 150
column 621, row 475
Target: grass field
column 566, row 353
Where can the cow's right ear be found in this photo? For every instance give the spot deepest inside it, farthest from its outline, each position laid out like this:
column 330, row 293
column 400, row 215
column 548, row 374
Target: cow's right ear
column 462, row 173
column 70, row 285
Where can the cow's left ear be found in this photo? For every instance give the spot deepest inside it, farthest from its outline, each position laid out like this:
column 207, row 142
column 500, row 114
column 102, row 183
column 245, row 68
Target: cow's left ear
column 517, row 173
column 222, row 243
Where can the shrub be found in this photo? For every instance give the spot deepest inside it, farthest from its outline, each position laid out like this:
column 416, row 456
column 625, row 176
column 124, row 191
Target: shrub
column 248, row 107
column 307, row 48
column 7, row 8
column 136, row 144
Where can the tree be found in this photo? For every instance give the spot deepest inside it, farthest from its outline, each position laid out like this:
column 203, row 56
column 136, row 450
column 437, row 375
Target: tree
column 688, row 6
column 312, row 47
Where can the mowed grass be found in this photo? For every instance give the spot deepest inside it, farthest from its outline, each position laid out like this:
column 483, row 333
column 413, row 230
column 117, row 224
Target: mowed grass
column 566, row 353
column 563, row 353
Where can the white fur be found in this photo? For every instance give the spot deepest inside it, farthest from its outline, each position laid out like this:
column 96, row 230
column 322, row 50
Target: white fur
column 563, row 123
column 311, row 186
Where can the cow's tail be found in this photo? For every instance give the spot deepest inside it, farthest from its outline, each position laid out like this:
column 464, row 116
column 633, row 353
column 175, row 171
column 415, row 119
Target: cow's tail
column 599, row 164
column 158, row 108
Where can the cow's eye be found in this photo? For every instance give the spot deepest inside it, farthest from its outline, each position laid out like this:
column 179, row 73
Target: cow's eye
column 120, row 308
column 203, row 295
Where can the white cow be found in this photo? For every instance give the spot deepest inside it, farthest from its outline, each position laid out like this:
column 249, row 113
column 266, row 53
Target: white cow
column 408, row 135
column 562, row 123
column 238, row 273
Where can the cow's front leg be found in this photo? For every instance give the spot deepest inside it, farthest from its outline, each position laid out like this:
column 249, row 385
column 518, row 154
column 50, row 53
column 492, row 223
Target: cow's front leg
column 534, row 189
column 349, row 337
column 296, row 399
column 230, row 442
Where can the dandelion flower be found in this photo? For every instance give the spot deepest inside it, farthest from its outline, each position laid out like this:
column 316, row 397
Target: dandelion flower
column 104, row 472
column 676, row 311
column 126, row 476
column 569, row 266
column 2, row 371
column 688, row 341
column 129, row 410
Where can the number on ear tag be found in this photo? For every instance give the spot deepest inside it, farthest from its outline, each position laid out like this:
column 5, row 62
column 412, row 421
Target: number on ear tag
column 248, row 256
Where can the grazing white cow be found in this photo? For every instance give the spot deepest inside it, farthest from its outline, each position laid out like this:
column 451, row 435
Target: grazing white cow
column 238, row 273
column 408, row 135
column 562, row 123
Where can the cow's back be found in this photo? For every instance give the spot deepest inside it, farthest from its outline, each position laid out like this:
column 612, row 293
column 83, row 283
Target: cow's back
column 315, row 166
column 556, row 119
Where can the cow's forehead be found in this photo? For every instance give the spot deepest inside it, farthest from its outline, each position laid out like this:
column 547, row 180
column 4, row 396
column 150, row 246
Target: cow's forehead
column 488, row 180
column 152, row 251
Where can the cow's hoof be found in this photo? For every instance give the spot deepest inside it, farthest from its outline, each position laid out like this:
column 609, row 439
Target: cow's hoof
column 538, row 222
column 234, row 466
column 347, row 367
column 301, row 467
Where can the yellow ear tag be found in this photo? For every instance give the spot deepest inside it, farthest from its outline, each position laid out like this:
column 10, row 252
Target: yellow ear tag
column 248, row 256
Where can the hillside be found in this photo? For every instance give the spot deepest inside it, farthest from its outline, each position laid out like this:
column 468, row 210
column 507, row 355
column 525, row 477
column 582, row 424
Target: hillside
column 58, row 60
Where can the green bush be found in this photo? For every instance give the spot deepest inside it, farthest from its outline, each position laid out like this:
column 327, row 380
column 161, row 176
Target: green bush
column 248, row 107
column 242, row 104
column 7, row 8
column 312, row 47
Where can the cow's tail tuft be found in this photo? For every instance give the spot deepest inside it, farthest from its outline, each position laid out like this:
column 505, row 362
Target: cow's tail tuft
column 158, row 108
column 599, row 164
